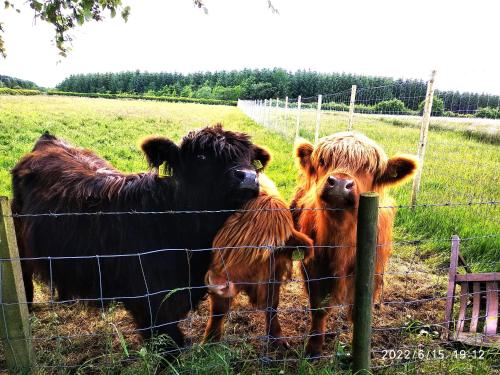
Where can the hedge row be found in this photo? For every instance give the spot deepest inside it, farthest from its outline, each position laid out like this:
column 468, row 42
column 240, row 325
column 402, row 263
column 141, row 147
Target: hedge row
column 172, row 99
column 488, row 112
column 8, row 91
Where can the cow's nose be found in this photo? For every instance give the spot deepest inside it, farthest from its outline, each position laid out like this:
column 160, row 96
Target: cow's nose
column 240, row 175
column 340, row 185
column 332, row 180
column 247, row 177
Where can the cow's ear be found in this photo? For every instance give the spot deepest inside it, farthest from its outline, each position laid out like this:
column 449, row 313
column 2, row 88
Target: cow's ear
column 303, row 152
column 159, row 150
column 399, row 169
column 262, row 156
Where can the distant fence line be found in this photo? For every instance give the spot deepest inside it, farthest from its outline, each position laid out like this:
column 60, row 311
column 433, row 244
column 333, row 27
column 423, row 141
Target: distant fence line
column 303, row 116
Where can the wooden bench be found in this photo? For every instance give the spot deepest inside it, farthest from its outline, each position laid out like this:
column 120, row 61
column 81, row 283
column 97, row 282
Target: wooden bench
column 477, row 322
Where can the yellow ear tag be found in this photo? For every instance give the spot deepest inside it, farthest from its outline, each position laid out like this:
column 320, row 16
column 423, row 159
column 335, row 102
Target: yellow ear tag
column 258, row 165
column 162, row 170
column 298, row 254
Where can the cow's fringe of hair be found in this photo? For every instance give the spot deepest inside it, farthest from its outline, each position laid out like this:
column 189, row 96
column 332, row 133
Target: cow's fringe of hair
column 351, row 151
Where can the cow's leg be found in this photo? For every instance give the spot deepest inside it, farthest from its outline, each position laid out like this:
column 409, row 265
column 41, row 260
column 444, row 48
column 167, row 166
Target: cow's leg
column 273, row 327
column 219, row 307
column 271, row 303
column 27, row 270
column 377, row 291
column 163, row 321
column 319, row 292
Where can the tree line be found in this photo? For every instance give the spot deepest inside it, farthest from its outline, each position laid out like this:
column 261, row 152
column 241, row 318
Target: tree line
column 16, row 83
column 272, row 83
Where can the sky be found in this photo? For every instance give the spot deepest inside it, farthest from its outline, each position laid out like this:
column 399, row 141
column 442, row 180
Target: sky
column 400, row 39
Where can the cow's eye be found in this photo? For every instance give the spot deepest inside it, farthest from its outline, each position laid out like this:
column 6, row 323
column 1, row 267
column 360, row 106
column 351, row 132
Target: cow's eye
column 321, row 162
column 201, row 157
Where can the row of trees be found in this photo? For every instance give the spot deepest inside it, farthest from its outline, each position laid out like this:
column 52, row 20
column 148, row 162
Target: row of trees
column 244, row 84
column 272, row 83
column 16, row 83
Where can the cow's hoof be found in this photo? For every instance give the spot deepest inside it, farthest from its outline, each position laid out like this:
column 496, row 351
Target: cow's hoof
column 313, row 352
column 279, row 342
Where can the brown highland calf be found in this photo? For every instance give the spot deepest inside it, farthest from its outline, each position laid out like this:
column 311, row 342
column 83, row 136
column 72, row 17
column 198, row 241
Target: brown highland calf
column 253, row 255
column 333, row 175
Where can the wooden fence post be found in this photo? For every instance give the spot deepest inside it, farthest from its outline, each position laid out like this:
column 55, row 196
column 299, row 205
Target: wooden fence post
column 261, row 112
column 286, row 113
column 269, row 114
column 366, row 248
column 351, row 107
column 450, row 295
column 276, row 113
column 264, row 114
column 424, row 130
column 297, row 125
column 318, row 119
column 14, row 316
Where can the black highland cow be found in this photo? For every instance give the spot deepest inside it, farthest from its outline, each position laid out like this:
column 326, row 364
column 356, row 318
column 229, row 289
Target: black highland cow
column 211, row 169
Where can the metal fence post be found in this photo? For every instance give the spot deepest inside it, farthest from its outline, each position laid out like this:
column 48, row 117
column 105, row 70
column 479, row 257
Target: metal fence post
column 366, row 247
column 318, row 119
column 297, row 125
column 351, row 107
column 14, row 316
column 424, row 130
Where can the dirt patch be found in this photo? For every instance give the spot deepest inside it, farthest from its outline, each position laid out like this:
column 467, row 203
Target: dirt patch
column 78, row 335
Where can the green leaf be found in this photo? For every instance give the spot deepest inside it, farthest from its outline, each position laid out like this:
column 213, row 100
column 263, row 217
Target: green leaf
column 123, row 343
column 143, row 352
column 298, row 254
column 257, row 164
column 125, row 13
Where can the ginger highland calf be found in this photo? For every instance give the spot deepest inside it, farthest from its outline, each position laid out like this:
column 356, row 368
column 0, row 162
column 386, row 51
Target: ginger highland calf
column 333, row 175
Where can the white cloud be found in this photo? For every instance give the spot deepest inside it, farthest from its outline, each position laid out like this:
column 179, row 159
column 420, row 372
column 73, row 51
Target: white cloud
column 390, row 38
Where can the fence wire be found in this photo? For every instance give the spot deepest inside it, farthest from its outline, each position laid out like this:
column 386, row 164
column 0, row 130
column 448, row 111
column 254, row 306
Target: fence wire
column 97, row 332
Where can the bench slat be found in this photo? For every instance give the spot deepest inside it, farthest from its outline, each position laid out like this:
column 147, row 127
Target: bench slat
column 484, row 277
column 476, row 304
column 464, row 297
column 490, row 328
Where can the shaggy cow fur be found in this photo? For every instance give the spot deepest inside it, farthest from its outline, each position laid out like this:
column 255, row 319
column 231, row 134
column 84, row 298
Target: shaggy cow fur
column 254, row 255
column 211, row 169
column 333, row 175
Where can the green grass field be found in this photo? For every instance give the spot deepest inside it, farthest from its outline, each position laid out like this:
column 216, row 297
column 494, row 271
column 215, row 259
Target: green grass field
column 459, row 168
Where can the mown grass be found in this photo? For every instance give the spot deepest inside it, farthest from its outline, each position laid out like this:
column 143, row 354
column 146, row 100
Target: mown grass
column 458, row 169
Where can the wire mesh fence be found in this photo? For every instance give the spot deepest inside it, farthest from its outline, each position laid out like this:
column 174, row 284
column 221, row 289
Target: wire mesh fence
column 461, row 152
column 461, row 167
column 97, row 332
